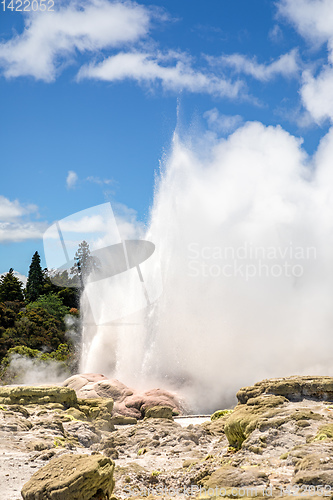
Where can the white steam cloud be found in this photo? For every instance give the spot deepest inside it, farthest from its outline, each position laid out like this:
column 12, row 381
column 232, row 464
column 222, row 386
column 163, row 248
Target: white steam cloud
column 245, row 241
column 32, row 371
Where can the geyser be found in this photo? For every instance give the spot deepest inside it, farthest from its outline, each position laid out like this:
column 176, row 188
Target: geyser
column 244, row 237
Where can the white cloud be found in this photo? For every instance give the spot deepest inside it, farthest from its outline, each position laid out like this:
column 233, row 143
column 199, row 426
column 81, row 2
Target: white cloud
column 87, row 224
column 50, row 39
column 99, row 181
column 127, row 221
column 313, row 19
column 222, row 123
column 317, row 94
column 71, row 179
column 275, row 34
column 286, row 65
column 11, row 210
column 20, row 231
column 295, row 114
column 14, row 225
column 151, row 68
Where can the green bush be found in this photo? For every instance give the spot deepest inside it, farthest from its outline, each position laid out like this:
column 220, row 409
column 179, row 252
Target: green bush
column 52, row 304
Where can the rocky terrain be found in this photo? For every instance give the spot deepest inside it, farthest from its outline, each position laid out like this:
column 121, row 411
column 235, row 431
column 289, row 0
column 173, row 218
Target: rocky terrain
column 277, row 442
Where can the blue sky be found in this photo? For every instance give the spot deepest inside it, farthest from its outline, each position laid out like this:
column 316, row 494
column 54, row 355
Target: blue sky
column 90, row 92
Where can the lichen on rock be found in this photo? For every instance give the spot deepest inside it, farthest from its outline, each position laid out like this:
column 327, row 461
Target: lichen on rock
column 71, row 477
column 26, row 395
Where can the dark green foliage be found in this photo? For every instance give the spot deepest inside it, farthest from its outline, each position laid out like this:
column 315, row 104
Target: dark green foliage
column 37, row 328
column 35, row 281
column 70, row 297
column 62, row 285
column 48, row 285
column 52, row 304
column 8, row 315
column 11, row 288
column 40, row 325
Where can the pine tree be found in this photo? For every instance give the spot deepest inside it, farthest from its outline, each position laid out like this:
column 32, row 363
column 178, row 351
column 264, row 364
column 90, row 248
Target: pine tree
column 11, row 288
column 35, row 279
column 84, row 263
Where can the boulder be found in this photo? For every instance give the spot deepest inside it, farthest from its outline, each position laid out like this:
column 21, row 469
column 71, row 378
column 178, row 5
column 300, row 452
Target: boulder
column 96, row 385
column 113, row 389
column 76, row 382
column 294, row 388
column 158, row 397
column 72, row 477
column 25, row 395
column 247, row 417
column 231, row 477
column 127, row 401
column 266, row 412
column 159, row 412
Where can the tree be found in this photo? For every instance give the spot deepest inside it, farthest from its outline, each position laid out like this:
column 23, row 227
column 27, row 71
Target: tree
column 52, row 304
column 70, row 297
column 84, row 264
column 35, row 279
column 11, row 288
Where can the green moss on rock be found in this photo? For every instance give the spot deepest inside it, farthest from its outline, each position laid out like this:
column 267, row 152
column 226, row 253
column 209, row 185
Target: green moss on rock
column 306, row 415
column 71, row 477
column 75, row 414
column 27, row 395
column 220, row 413
column 257, row 413
column 294, row 388
column 159, row 412
column 324, row 432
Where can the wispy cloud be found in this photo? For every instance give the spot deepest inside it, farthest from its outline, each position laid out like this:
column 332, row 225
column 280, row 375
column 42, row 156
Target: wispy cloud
column 15, row 224
column 222, row 123
column 17, row 232
column 99, row 181
column 71, row 179
column 275, row 34
column 115, row 39
column 50, row 42
column 286, row 65
column 51, row 39
column 11, row 210
column 147, row 68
